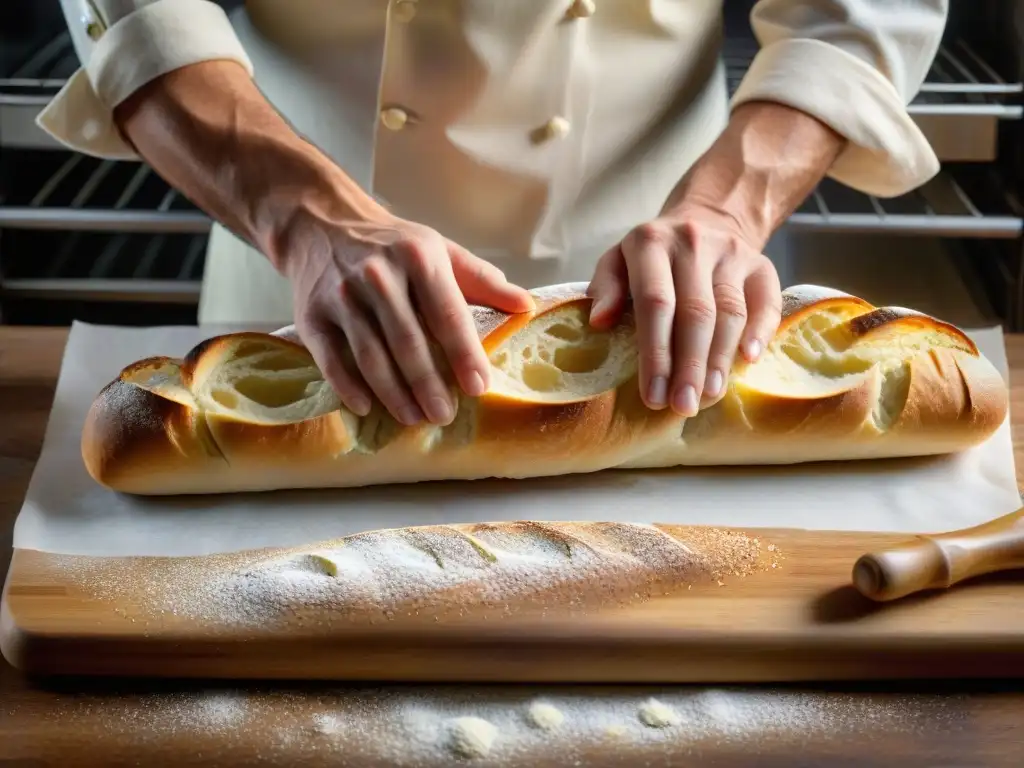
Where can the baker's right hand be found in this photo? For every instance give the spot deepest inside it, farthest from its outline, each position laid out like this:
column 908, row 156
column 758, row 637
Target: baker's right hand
column 367, row 284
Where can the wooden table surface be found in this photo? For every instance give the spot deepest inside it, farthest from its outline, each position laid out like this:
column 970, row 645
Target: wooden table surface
column 86, row 723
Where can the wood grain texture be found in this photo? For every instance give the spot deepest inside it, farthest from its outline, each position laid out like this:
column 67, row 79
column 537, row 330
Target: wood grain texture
column 801, row 620
column 161, row 722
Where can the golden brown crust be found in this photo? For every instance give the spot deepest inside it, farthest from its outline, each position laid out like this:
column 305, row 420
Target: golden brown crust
column 800, row 302
column 898, row 320
column 841, row 380
column 128, row 428
column 495, row 327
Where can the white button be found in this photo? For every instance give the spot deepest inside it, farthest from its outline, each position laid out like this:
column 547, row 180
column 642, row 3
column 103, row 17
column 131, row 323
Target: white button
column 93, row 28
column 555, row 128
column 581, row 9
column 394, row 119
column 404, row 11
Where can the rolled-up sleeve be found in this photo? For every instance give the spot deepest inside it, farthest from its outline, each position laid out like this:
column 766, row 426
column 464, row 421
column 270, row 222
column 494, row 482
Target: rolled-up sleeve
column 855, row 65
column 124, row 44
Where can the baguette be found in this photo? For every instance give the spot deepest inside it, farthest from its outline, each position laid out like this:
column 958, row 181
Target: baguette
column 841, row 380
column 505, row 567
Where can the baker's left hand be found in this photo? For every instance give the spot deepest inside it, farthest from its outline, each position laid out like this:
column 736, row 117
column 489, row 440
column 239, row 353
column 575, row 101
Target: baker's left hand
column 701, row 290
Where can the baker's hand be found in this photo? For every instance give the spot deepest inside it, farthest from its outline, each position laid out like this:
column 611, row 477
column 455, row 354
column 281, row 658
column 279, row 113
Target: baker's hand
column 701, row 292
column 385, row 287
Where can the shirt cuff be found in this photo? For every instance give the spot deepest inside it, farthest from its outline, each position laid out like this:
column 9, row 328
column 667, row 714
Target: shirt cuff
column 157, row 39
column 886, row 154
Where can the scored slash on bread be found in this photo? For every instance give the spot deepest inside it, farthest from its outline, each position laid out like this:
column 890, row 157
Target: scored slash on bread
column 505, row 565
column 473, row 569
column 840, row 380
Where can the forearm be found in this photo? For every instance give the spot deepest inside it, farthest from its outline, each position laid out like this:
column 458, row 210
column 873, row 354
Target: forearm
column 765, row 163
column 210, row 133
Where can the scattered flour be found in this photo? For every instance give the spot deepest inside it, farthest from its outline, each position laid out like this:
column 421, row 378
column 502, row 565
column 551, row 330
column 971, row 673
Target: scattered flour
column 328, row 723
column 545, row 716
column 471, row 736
column 214, row 711
column 615, row 732
column 445, row 726
column 654, row 714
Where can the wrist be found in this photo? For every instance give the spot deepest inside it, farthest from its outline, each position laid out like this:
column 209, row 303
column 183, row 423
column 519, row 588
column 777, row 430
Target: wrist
column 765, row 163
column 308, row 196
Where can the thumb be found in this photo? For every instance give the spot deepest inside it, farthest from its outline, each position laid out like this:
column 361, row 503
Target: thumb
column 609, row 289
column 484, row 284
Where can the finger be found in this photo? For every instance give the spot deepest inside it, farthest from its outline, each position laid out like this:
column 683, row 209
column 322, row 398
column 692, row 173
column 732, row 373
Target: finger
column 449, row 319
column 388, row 296
column 727, row 287
column 694, row 329
column 483, row 283
column 373, row 360
column 764, row 310
column 609, row 289
column 325, row 342
column 654, row 302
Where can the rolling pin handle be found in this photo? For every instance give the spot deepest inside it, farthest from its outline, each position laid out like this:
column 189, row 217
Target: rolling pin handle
column 918, row 565
column 940, row 561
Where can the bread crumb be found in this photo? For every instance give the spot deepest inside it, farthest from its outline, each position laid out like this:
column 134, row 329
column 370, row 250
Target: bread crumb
column 471, row 736
column 654, row 714
column 545, row 716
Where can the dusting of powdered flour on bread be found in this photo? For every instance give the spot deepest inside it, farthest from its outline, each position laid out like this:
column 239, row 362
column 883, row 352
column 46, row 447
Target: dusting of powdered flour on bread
column 428, row 572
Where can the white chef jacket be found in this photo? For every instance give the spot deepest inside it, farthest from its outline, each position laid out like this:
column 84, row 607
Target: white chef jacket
column 534, row 132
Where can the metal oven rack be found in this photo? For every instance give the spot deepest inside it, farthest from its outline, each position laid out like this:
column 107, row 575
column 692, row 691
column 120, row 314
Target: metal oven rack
column 88, row 229
column 959, row 106
column 78, row 229
column 29, row 87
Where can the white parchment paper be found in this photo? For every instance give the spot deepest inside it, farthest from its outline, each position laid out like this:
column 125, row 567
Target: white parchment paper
column 65, row 511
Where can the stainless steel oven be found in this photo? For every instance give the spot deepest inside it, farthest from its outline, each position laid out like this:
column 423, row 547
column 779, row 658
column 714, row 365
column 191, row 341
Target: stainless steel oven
column 111, row 242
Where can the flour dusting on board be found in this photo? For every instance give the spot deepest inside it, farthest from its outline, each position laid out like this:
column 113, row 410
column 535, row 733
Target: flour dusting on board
column 428, row 571
column 447, row 728
column 423, row 727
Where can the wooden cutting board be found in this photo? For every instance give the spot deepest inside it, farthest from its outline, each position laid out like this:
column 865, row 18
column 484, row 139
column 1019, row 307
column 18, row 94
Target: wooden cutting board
column 795, row 616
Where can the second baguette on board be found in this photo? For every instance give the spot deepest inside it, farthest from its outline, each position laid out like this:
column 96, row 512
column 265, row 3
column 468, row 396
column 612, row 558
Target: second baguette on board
column 841, row 380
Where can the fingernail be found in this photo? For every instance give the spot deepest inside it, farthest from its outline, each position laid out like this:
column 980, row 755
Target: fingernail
column 752, row 350
column 410, row 415
column 657, row 391
column 713, row 385
column 360, row 406
column 439, row 410
column 475, row 384
column 599, row 307
column 685, row 401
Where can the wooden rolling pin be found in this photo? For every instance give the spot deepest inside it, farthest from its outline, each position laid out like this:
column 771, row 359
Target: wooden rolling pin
column 942, row 560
